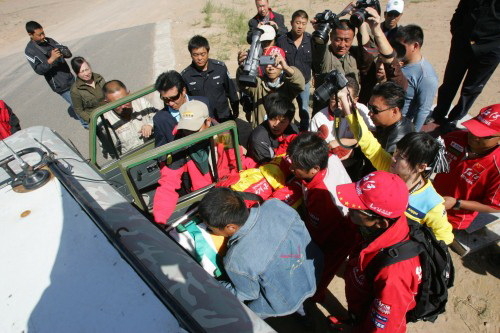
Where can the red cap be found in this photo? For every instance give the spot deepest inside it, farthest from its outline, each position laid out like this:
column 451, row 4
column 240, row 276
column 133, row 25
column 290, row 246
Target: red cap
column 272, row 50
column 382, row 192
column 486, row 123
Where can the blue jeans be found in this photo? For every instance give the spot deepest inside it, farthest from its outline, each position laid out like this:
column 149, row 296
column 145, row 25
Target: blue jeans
column 303, row 102
column 66, row 95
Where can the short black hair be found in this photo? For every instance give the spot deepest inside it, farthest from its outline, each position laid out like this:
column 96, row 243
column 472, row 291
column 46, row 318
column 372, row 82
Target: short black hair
column 198, row 41
column 76, row 64
column 222, row 206
column 418, row 148
column 392, row 93
column 411, row 33
column 31, row 26
column 277, row 105
column 399, row 48
column 353, row 84
column 113, row 86
column 168, row 80
column 300, row 13
column 308, row 150
column 344, row 24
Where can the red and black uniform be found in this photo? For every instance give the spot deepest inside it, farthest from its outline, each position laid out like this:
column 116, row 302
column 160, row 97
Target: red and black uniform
column 380, row 304
column 9, row 123
column 475, row 179
column 326, row 221
column 263, row 146
column 185, row 175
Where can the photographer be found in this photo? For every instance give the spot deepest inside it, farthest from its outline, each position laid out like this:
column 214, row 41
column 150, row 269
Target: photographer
column 286, row 80
column 339, row 55
column 46, row 57
column 386, row 66
column 297, row 45
column 265, row 15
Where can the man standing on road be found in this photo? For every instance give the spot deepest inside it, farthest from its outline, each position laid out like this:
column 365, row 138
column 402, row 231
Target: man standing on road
column 46, row 57
column 210, row 78
column 297, row 46
column 474, row 53
column 265, row 15
column 422, row 79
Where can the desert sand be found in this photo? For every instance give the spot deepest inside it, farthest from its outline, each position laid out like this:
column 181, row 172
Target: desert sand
column 474, row 302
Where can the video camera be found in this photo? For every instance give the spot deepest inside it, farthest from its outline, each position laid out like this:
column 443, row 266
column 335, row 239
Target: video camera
column 325, row 21
column 360, row 15
column 334, row 81
column 254, row 60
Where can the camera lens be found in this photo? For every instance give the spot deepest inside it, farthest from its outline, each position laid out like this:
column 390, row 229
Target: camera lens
column 323, row 92
column 321, row 34
column 358, row 17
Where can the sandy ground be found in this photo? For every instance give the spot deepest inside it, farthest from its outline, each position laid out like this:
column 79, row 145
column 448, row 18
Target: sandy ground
column 474, row 301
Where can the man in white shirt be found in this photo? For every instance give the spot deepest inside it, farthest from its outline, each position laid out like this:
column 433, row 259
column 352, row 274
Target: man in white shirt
column 323, row 122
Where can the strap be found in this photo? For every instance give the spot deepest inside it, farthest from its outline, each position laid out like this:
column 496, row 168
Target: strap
column 393, row 254
column 40, row 48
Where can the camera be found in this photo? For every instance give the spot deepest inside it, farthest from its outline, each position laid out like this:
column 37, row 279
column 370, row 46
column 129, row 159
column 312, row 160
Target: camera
column 325, row 21
column 360, row 15
column 64, row 51
column 254, row 60
column 334, row 81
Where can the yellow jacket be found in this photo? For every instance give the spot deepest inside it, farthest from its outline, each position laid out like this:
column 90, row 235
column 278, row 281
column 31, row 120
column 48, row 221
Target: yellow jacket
column 425, row 205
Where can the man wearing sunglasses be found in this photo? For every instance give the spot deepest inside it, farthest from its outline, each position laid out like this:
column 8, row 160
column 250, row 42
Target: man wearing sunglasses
column 385, row 107
column 172, row 89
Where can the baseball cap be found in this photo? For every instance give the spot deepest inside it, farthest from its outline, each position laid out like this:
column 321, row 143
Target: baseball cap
column 273, row 50
column 395, row 5
column 193, row 114
column 269, row 33
column 486, row 123
column 380, row 191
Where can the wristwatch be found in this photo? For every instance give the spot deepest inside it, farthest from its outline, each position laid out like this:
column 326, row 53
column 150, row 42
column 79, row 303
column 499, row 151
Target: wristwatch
column 456, row 206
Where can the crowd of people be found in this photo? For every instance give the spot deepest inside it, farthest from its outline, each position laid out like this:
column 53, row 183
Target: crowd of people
column 357, row 159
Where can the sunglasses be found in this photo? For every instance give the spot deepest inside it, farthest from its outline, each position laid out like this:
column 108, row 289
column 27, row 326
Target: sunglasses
column 172, row 98
column 374, row 110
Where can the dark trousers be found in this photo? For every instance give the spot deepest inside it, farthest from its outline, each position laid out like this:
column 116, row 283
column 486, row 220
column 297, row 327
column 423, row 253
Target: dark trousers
column 477, row 64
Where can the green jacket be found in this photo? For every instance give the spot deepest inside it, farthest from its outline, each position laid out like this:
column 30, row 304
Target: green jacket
column 290, row 88
column 85, row 98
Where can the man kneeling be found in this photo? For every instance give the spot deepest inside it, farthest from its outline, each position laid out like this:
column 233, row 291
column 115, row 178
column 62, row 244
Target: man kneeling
column 271, row 261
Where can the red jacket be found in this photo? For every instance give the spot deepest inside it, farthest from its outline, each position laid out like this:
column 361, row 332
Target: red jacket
column 170, row 182
column 380, row 305
column 325, row 220
column 475, row 179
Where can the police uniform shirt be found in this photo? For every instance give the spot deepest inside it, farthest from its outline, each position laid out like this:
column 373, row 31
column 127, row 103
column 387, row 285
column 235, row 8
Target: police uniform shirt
column 214, row 83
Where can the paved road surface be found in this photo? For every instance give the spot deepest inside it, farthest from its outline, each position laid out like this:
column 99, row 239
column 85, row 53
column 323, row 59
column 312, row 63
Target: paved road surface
column 125, row 54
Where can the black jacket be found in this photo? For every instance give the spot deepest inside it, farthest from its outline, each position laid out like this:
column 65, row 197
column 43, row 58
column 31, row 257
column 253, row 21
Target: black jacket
column 262, row 142
column 57, row 74
column 389, row 136
column 300, row 57
column 273, row 16
column 215, row 84
column 164, row 123
column 477, row 21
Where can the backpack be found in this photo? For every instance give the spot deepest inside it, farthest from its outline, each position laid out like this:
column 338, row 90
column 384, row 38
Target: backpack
column 438, row 273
